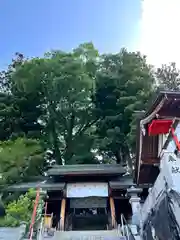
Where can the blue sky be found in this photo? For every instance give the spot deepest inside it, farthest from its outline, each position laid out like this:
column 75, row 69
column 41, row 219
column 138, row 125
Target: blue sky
column 36, row 26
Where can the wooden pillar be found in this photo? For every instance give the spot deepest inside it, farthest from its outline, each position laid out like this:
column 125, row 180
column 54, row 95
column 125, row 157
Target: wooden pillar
column 113, row 213
column 62, row 214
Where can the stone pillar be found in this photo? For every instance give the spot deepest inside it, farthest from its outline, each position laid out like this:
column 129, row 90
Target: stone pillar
column 135, row 204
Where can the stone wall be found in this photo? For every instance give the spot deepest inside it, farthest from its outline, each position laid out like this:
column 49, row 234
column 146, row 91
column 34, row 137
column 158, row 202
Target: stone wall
column 11, row 233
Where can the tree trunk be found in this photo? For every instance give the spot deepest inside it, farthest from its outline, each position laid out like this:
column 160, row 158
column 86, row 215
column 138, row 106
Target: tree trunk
column 69, row 141
column 55, row 140
column 56, row 143
column 118, row 157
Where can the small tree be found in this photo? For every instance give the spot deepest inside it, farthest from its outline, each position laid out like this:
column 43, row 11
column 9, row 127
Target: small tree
column 20, row 210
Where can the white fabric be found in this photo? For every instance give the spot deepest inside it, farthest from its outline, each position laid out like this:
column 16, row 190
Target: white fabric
column 81, row 190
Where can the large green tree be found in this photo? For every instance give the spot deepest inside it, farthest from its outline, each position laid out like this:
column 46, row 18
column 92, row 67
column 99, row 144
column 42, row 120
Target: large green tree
column 75, row 102
column 56, row 92
column 124, row 85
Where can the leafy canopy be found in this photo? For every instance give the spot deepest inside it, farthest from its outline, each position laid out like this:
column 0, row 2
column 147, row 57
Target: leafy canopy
column 61, row 85
column 124, row 84
column 77, row 104
column 20, row 159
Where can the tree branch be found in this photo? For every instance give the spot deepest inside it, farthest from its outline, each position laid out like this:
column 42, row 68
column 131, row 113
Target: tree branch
column 85, row 127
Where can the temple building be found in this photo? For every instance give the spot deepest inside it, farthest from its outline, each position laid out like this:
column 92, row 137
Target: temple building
column 87, row 197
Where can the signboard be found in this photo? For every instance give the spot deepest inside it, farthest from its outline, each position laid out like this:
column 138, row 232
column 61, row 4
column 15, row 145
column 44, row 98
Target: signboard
column 89, row 202
column 81, row 190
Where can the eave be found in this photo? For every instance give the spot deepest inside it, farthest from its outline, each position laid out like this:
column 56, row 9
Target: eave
column 24, row 187
column 166, row 106
column 87, row 170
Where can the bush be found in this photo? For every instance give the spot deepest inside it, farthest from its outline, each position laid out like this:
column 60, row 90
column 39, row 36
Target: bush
column 19, row 210
column 9, row 221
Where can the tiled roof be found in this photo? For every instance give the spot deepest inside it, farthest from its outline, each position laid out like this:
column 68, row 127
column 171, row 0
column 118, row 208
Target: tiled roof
column 87, row 169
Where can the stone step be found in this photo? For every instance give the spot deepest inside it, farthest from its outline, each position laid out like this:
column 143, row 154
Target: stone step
column 88, row 235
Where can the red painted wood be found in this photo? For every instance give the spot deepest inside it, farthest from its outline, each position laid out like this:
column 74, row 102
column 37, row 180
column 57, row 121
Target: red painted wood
column 34, row 214
column 157, row 127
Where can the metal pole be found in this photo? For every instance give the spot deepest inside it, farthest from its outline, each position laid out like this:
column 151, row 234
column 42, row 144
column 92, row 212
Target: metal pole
column 34, row 214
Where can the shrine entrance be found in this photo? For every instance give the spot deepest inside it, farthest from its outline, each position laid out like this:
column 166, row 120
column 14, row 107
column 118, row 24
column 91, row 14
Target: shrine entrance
column 90, row 213
column 87, row 206
column 90, row 219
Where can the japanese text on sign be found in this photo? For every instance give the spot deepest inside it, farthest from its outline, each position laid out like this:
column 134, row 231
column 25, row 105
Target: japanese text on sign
column 171, row 159
column 175, row 170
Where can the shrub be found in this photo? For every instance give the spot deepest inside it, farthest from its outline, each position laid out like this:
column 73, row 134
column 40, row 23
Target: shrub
column 19, row 210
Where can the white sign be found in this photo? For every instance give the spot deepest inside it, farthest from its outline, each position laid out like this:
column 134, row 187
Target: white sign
column 81, row 190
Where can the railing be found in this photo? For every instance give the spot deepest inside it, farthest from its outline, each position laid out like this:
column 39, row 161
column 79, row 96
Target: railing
column 36, row 220
column 126, row 230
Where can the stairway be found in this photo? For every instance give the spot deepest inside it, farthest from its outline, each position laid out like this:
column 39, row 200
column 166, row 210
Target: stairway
column 87, row 235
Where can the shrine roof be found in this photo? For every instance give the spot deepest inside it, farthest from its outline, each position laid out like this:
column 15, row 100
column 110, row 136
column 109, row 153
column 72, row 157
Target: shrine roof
column 165, row 106
column 87, row 169
column 45, row 185
column 122, row 183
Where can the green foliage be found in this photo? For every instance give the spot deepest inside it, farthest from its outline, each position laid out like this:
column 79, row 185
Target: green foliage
column 23, row 207
column 77, row 104
column 9, row 221
column 20, row 159
column 19, row 110
column 61, row 85
column 19, row 211
column 124, row 85
column 168, row 77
